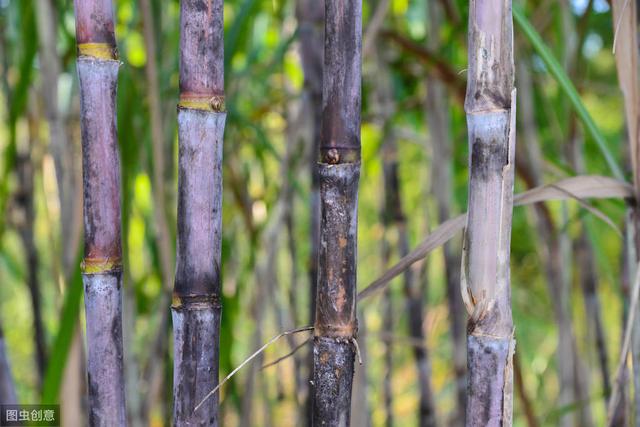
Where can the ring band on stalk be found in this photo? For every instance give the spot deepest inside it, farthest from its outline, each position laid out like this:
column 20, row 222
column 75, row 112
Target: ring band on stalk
column 208, row 103
column 101, row 265
column 98, row 50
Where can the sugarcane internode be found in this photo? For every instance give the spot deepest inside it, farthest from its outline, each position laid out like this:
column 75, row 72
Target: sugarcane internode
column 102, row 267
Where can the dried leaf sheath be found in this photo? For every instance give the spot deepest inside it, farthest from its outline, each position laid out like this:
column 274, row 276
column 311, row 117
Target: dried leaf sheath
column 339, row 173
column 196, row 310
column 490, row 108
column 102, row 275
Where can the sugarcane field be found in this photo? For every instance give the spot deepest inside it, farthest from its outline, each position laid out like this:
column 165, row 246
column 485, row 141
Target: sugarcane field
column 273, row 213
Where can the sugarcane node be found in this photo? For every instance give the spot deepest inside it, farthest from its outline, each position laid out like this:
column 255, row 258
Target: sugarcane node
column 335, row 154
column 99, row 265
column 339, row 332
column 195, row 301
column 215, row 103
column 103, row 51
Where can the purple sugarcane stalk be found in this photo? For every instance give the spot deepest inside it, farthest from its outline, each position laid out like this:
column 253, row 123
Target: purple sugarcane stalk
column 102, row 264
column 334, row 345
column 490, row 108
column 196, row 309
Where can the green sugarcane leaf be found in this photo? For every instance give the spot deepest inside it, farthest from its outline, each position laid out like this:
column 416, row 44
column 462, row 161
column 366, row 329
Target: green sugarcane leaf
column 18, row 95
column 568, row 88
column 238, row 32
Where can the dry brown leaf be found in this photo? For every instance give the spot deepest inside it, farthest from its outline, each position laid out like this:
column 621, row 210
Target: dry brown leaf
column 584, row 186
column 578, row 187
column 437, row 238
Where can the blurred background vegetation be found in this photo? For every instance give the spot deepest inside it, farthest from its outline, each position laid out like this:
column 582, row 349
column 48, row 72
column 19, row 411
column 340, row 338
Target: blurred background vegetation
column 266, row 202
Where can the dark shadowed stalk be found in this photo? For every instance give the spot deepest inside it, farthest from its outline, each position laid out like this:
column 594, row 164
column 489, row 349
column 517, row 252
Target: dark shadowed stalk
column 582, row 249
column 102, row 264
column 625, row 48
column 587, row 274
column 391, row 211
column 437, row 115
column 388, row 359
column 74, row 384
column 24, row 201
column 394, row 219
column 157, row 143
column 335, row 330
column 310, row 16
column 485, row 286
column 7, row 386
column 152, row 375
column 258, row 311
column 527, row 405
column 288, row 315
column 622, row 410
column 63, row 147
column 434, row 64
column 196, row 301
column 265, row 273
column 529, row 160
column 391, row 214
column 414, row 300
column 387, row 327
column 586, row 260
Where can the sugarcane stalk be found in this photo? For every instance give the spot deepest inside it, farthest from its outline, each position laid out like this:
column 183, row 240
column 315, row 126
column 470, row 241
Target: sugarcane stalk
column 102, row 265
column 339, row 171
column 394, row 218
column 387, row 326
column 310, row 16
column 625, row 48
column 530, row 169
column 24, row 200
column 196, row 308
column 485, row 281
column 7, row 385
column 152, row 374
column 437, row 116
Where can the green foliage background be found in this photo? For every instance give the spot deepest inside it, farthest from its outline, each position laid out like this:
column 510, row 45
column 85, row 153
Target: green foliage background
column 264, row 84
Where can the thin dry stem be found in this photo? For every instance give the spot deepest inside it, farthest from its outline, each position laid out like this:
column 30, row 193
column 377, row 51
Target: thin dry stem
column 250, row 358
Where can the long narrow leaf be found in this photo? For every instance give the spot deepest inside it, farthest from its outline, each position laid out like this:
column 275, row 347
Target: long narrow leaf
column 568, row 88
column 580, row 187
column 18, row 96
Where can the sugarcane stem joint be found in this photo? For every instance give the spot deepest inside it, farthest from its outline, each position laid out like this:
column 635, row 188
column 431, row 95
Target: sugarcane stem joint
column 214, row 103
column 103, row 51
